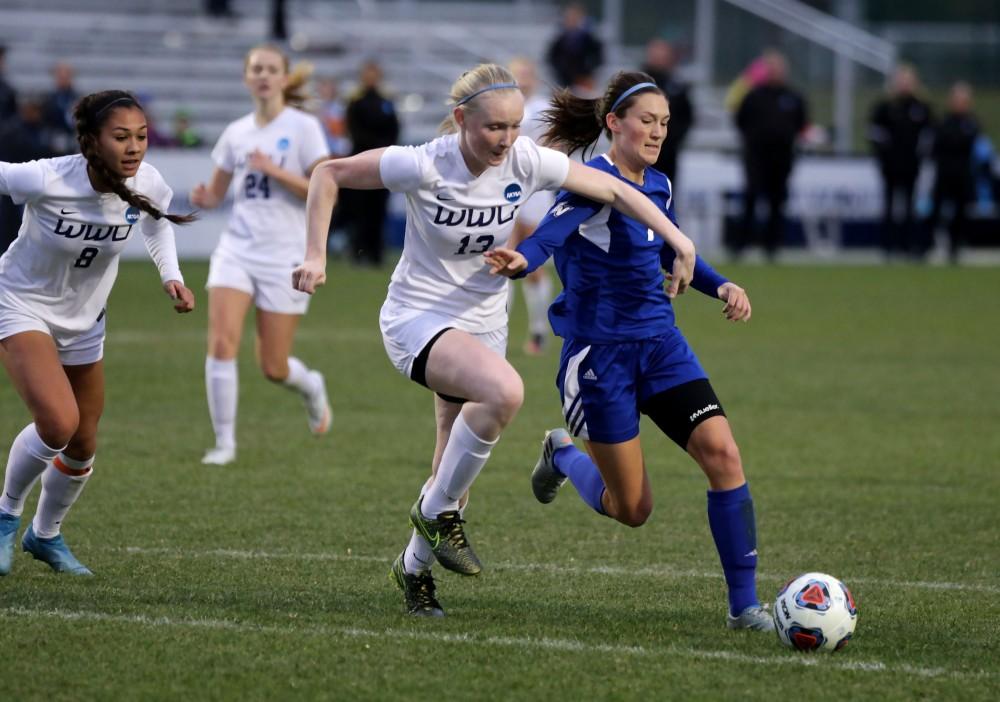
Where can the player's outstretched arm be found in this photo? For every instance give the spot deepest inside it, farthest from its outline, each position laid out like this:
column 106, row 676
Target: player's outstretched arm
column 359, row 172
column 597, row 185
column 181, row 294
column 505, row 262
column 737, row 301
column 208, row 196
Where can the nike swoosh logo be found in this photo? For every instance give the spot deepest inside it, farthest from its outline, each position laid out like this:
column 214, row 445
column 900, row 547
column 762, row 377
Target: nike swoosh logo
column 67, row 212
column 437, row 540
column 445, row 197
column 11, row 496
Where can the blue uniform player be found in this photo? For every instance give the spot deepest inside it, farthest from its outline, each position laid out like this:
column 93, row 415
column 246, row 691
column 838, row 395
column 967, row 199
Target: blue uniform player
column 622, row 352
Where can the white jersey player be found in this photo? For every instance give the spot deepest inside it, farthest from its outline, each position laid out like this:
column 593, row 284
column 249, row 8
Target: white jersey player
column 444, row 322
column 267, row 156
column 54, row 284
column 537, row 286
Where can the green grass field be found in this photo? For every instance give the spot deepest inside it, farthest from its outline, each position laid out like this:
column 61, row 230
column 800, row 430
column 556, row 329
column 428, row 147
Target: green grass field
column 866, row 402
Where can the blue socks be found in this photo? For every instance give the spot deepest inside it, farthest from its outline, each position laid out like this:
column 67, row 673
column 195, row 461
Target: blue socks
column 734, row 528
column 581, row 471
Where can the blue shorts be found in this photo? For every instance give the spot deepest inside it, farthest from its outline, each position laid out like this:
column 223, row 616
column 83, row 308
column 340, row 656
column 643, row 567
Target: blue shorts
column 603, row 385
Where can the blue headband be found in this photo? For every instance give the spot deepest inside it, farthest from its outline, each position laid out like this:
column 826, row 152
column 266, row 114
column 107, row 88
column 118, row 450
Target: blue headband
column 495, row 86
column 634, row 89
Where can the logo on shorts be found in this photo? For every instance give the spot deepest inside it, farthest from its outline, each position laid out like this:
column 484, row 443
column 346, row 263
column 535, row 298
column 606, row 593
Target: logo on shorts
column 512, row 192
column 283, row 144
column 590, row 374
column 132, row 215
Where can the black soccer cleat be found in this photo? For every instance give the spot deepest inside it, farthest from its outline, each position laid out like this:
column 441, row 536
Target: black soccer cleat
column 418, row 590
column 446, row 537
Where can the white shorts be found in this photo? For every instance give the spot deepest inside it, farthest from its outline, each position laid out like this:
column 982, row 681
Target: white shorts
column 269, row 286
column 535, row 208
column 76, row 349
column 406, row 331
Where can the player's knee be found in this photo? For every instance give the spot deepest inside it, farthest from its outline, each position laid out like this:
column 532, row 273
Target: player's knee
column 635, row 515
column 57, row 428
column 82, row 446
column 507, row 398
column 721, row 461
column 223, row 347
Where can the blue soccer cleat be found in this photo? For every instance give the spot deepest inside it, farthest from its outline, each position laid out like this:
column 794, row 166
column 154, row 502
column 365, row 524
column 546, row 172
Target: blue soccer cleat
column 53, row 551
column 8, row 532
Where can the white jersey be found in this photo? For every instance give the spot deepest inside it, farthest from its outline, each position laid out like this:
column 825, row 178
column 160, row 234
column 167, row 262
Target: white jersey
column 534, row 208
column 453, row 217
column 65, row 259
column 268, row 223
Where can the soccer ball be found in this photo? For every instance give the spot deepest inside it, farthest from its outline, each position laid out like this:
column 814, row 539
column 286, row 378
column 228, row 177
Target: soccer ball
column 815, row 612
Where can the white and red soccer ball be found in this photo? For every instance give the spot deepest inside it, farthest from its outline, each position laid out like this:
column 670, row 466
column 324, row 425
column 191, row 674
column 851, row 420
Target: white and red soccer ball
column 815, row 612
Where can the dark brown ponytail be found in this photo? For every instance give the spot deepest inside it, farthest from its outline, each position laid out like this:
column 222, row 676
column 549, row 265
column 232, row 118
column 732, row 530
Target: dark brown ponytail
column 576, row 123
column 90, row 114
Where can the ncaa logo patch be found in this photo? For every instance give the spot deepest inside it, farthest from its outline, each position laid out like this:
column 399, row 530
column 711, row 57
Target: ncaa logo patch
column 283, row 144
column 512, row 193
column 132, row 215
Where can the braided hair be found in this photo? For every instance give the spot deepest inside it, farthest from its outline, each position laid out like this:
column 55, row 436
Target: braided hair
column 576, row 123
column 90, row 114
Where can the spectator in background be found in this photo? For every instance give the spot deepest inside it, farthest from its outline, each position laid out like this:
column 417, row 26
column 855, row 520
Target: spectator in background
column 185, row 135
column 58, row 109
column 660, row 63
column 24, row 137
column 219, row 8
column 576, row 54
column 899, row 130
column 756, row 73
column 333, row 116
column 371, row 124
column 954, row 140
column 279, row 23
column 770, row 120
column 8, row 96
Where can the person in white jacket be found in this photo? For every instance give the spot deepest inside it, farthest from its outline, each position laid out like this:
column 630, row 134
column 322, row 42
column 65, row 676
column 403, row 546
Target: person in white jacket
column 55, row 280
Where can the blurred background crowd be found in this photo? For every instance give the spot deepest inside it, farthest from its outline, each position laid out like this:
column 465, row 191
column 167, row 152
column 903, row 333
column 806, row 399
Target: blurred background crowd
column 795, row 125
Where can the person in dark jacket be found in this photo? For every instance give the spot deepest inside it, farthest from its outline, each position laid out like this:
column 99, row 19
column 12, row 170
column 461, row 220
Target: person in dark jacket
column 575, row 54
column 899, row 131
column 660, row 62
column 8, row 96
column 371, row 124
column 954, row 139
column 770, row 119
column 23, row 138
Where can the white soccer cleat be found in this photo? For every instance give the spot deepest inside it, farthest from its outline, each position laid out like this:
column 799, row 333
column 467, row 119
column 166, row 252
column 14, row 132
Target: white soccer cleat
column 219, row 456
column 318, row 406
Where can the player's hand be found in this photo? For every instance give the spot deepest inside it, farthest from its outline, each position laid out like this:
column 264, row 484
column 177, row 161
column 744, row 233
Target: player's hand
column 737, row 307
column 184, row 297
column 682, row 271
column 505, row 262
column 259, row 161
column 309, row 276
column 200, row 197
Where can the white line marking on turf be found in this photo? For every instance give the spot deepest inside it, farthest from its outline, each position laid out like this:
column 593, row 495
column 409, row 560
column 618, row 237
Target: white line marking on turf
column 645, row 571
column 568, row 645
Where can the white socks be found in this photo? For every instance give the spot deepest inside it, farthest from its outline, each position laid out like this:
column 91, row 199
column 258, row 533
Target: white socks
column 62, row 483
column 537, row 298
column 27, row 460
column 299, row 378
column 464, row 456
column 222, row 386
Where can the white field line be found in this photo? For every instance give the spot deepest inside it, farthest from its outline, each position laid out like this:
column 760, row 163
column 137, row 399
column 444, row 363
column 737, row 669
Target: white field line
column 662, row 571
column 548, row 644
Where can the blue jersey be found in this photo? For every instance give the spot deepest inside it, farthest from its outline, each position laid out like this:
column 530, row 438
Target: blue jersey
column 611, row 265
